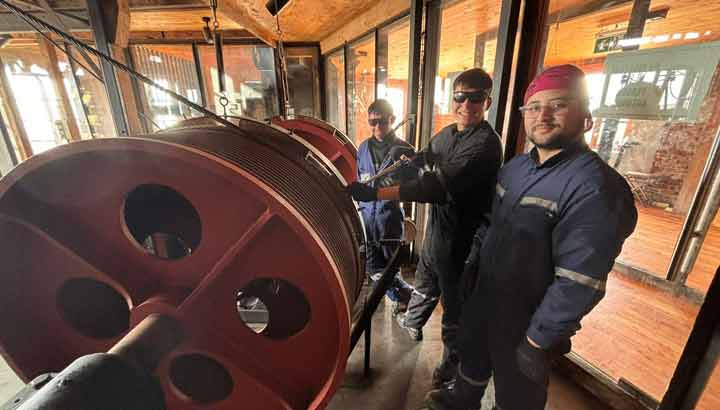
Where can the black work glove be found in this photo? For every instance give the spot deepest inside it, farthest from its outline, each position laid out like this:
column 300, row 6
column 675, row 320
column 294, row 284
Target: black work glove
column 362, row 192
column 533, row 362
column 398, row 151
column 561, row 348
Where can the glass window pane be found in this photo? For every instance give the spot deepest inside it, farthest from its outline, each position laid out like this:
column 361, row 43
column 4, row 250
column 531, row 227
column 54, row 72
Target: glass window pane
column 656, row 114
column 468, row 38
column 172, row 67
column 392, row 76
column 94, row 97
column 26, row 69
column 12, row 144
column 361, row 86
column 302, row 69
column 78, row 110
column 250, row 80
column 335, row 94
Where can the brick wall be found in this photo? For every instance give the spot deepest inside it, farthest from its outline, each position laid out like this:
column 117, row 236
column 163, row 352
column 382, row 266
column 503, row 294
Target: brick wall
column 677, row 145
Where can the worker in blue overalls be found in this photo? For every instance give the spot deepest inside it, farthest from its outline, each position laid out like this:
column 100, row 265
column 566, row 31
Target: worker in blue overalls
column 559, row 220
column 383, row 219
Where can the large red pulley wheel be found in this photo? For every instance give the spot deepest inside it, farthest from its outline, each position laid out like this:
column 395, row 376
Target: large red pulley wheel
column 330, row 141
column 190, row 223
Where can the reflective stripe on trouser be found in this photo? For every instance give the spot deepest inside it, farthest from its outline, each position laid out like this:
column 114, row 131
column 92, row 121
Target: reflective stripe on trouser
column 432, row 285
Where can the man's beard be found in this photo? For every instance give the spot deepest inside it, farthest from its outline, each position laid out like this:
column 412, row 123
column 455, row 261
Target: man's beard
column 558, row 141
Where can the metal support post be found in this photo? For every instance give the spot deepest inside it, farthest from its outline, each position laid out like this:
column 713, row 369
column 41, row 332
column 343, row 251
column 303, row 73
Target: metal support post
column 102, row 44
column 430, row 63
column 693, row 233
column 7, row 143
column 699, row 357
column 502, row 71
column 364, row 324
column 416, row 16
column 529, row 59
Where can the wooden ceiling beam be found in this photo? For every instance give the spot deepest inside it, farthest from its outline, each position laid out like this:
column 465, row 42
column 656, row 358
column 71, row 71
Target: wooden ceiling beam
column 252, row 16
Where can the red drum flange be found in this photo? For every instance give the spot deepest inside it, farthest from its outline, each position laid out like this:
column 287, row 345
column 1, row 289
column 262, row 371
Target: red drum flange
column 333, row 143
column 96, row 236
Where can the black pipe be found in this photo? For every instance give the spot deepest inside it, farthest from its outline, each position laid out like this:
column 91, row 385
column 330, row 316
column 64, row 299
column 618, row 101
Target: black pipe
column 376, row 296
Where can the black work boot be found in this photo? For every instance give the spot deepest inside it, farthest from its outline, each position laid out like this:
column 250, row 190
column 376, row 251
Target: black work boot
column 461, row 396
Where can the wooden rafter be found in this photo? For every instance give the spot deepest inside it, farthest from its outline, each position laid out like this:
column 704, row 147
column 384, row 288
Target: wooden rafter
column 14, row 120
column 252, row 16
column 66, row 112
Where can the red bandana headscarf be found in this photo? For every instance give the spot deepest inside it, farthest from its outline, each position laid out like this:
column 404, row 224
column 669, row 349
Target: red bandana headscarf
column 562, row 76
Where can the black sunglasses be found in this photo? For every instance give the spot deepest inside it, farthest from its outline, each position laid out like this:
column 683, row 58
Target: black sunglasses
column 474, row 96
column 375, row 121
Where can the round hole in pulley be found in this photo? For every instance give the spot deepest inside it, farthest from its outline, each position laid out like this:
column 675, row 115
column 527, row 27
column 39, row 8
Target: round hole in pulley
column 93, row 308
column 273, row 307
column 162, row 221
column 201, row 378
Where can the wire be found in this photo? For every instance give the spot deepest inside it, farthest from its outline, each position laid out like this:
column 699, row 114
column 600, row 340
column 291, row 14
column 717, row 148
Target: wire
column 73, row 41
column 51, row 41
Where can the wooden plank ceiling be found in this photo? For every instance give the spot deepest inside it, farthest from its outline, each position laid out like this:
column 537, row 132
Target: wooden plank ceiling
column 300, row 20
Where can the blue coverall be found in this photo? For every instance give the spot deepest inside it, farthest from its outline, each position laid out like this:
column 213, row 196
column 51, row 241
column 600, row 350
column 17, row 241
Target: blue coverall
column 555, row 231
column 383, row 219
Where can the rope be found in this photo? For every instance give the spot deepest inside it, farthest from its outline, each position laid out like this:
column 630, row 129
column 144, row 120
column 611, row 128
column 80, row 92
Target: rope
column 56, row 45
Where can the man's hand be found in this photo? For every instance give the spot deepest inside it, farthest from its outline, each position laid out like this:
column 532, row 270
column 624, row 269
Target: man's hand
column 362, row 192
column 533, row 362
column 398, row 152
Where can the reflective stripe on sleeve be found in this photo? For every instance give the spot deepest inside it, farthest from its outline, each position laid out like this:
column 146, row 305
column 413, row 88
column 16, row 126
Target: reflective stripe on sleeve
column 537, row 201
column 580, row 278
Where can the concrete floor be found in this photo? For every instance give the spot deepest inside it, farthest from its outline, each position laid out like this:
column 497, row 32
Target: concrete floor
column 400, row 377
column 402, row 371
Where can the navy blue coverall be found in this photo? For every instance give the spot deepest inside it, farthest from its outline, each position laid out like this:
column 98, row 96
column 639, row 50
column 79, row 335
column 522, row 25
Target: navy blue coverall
column 383, row 219
column 555, row 231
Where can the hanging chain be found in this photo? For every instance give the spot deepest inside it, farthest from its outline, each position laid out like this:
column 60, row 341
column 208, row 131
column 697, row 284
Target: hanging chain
column 213, row 8
column 283, row 63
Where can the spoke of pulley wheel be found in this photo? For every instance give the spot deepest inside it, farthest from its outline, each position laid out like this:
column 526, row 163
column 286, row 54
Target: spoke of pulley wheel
column 228, row 258
column 303, row 309
column 58, row 294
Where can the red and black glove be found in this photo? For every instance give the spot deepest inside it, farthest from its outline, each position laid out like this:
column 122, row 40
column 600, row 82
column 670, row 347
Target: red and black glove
column 362, row 192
